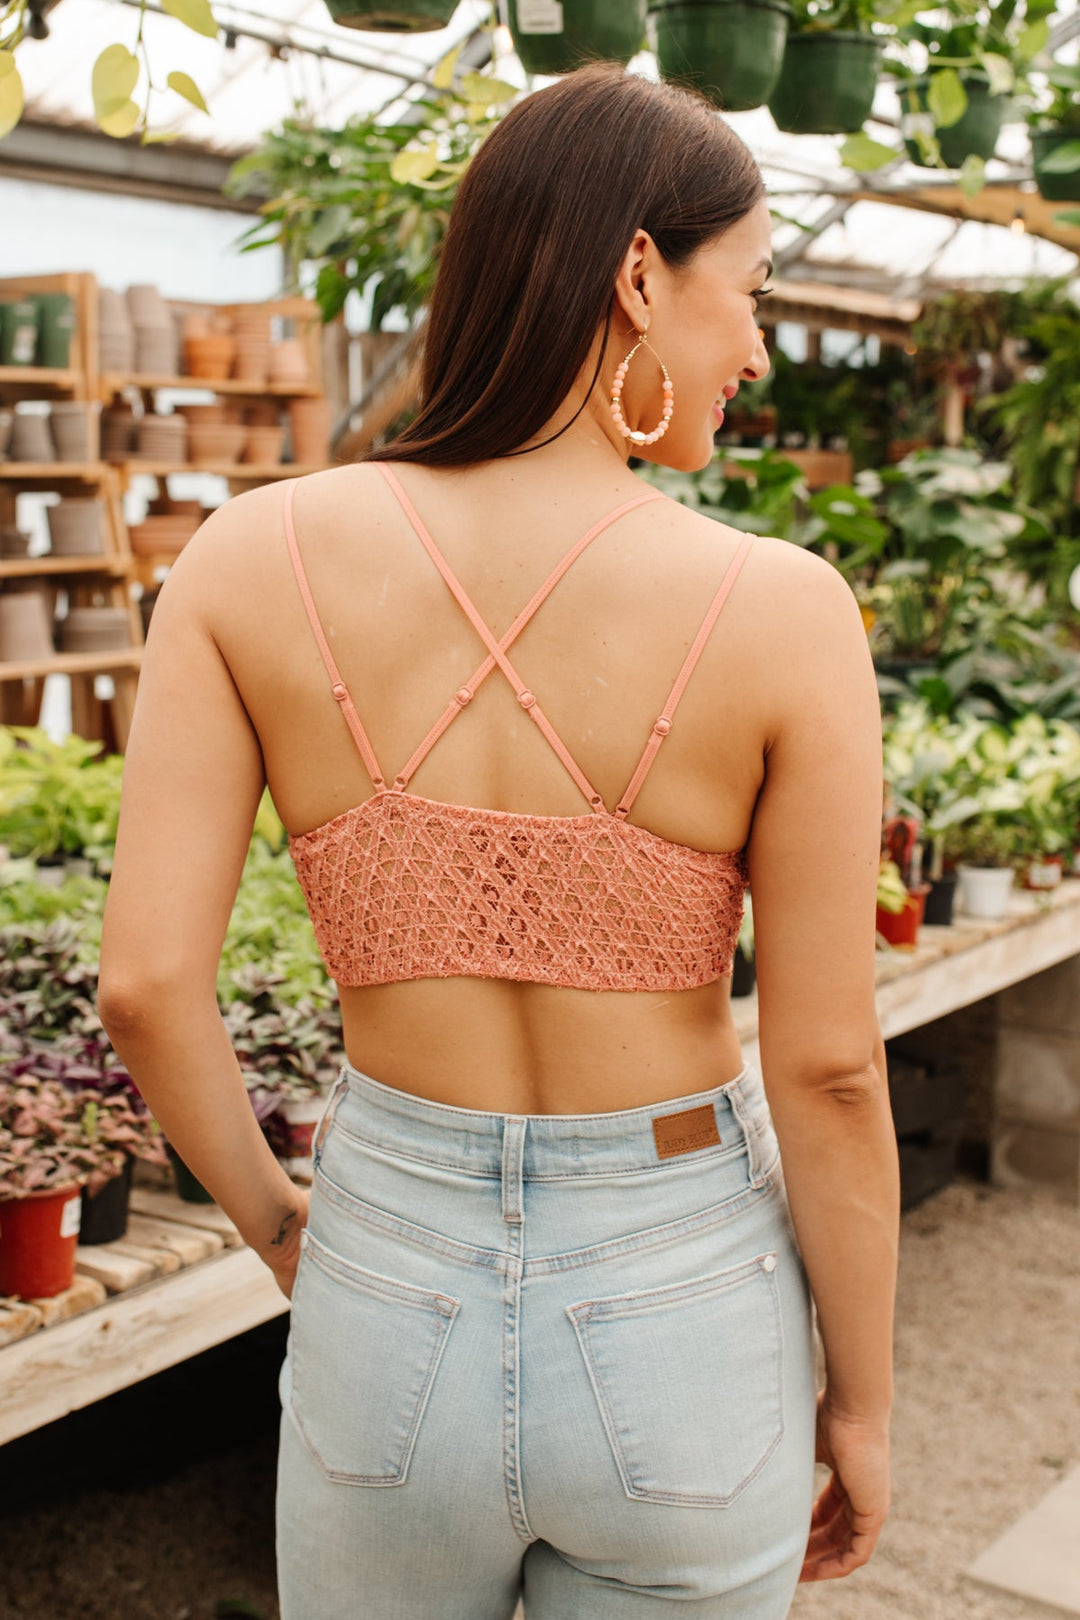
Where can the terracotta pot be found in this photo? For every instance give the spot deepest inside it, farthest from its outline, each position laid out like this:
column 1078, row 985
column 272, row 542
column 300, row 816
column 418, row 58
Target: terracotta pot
column 221, row 442
column 264, row 445
column 309, row 422
column 209, row 357
column 200, row 415
column 288, row 362
column 77, row 527
column 265, row 413
column 25, row 627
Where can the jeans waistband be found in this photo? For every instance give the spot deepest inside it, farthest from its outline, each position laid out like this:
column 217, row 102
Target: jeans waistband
column 722, row 1119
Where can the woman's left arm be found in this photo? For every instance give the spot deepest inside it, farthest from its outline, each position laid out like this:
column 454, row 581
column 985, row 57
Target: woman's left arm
column 193, row 778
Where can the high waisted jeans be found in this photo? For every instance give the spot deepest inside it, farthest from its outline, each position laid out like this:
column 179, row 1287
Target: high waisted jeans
column 564, row 1356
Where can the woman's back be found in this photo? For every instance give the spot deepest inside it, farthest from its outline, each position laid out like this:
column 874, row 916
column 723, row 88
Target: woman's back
column 601, row 654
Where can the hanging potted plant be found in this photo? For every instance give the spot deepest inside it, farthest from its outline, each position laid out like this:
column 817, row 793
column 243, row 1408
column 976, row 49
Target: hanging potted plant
column 730, row 50
column 953, row 106
column 392, row 16
column 556, row 36
column 830, row 68
column 1055, row 136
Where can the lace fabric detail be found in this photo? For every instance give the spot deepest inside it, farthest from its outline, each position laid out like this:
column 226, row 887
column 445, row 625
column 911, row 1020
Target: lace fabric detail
column 403, row 887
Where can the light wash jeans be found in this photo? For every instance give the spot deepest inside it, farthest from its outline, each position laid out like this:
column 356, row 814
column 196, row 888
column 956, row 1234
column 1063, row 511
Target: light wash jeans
column 564, row 1356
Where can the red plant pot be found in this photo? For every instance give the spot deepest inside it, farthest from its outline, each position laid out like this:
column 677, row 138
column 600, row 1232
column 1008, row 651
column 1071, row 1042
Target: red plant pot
column 901, row 927
column 38, row 1236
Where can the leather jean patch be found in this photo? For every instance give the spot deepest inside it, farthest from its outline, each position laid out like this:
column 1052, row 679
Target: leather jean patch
column 686, row 1132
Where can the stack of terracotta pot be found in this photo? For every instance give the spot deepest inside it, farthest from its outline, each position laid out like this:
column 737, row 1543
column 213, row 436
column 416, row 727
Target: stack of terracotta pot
column 251, row 332
column 155, row 332
column 31, row 440
column 288, row 364
column 119, row 431
column 309, row 428
column 116, row 332
column 163, row 439
column 209, row 348
column 77, row 527
column 95, row 629
column 75, row 429
column 25, row 623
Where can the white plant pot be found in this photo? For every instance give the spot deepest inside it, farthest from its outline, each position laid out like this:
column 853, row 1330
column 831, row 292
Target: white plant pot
column 302, row 1116
column 985, row 890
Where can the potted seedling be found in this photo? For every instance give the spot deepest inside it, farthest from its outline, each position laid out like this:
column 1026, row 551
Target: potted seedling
column 985, row 849
column 290, row 1056
column 50, row 1149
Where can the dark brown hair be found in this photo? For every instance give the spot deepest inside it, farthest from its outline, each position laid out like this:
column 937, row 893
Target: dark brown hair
column 542, row 220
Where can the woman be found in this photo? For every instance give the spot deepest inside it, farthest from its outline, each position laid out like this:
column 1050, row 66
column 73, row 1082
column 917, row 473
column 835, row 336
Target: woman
column 552, row 1325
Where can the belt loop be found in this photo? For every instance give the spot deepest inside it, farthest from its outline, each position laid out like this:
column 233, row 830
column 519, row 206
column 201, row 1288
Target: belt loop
column 751, row 1132
column 328, row 1117
column 513, row 1159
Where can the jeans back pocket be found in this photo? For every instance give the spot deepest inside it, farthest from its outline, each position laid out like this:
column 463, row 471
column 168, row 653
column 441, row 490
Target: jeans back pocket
column 363, row 1354
column 688, row 1379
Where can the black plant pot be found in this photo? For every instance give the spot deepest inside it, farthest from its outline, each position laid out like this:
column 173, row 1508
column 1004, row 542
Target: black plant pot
column 105, row 1213
column 743, row 974
column 939, row 902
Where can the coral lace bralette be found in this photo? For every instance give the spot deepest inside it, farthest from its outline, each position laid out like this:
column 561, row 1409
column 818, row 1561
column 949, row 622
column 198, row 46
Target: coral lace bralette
column 403, row 887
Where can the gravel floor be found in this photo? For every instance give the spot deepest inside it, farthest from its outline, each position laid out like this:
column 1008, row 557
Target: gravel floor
column 157, row 1504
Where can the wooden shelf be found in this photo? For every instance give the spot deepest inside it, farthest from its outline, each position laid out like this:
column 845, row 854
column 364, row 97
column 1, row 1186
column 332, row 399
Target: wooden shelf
column 74, row 664
column 40, row 377
column 85, row 472
column 28, row 567
column 114, row 382
column 220, row 469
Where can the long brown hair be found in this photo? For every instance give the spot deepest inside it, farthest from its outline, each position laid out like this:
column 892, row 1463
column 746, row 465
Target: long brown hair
column 540, row 225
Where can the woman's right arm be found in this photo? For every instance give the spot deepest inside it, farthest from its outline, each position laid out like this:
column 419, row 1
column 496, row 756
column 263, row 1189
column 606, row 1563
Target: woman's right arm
column 813, row 860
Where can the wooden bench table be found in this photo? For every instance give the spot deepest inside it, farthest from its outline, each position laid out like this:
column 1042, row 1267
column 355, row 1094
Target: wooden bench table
column 181, row 1281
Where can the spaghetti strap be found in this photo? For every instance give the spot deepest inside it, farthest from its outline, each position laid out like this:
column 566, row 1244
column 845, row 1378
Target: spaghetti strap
column 338, row 690
column 497, row 649
column 662, row 725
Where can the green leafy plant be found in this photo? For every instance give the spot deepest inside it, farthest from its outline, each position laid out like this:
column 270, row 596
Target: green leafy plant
column 55, row 1132
column 288, row 1048
column 369, row 204
column 117, row 74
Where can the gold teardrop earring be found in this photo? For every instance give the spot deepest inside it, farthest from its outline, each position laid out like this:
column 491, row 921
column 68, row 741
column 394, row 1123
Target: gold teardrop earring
column 634, row 434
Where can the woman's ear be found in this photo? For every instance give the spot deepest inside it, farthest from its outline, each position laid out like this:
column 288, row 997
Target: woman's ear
column 631, row 283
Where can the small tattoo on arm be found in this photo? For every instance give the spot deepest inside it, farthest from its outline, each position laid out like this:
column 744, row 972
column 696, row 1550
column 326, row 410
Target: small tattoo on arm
column 283, row 1230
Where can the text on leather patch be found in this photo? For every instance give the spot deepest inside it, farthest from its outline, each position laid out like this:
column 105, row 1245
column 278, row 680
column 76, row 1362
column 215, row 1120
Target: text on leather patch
column 686, row 1132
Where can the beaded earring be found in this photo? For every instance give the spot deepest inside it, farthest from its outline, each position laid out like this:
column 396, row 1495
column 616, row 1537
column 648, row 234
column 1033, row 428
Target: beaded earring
column 634, row 434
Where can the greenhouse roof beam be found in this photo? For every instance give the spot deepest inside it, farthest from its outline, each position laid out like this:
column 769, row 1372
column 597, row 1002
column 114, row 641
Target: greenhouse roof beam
column 785, row 257
column 59, row 155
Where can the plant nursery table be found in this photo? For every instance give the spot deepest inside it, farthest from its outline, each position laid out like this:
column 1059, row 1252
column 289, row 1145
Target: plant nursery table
column 181, row 1281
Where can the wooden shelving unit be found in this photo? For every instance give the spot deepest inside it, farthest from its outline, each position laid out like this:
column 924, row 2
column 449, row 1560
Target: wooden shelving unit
column 117, row 577
column 115, row 382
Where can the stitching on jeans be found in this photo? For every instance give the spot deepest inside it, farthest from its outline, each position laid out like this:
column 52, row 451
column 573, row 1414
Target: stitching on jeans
column 546, row 1265
column 709, row 1155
